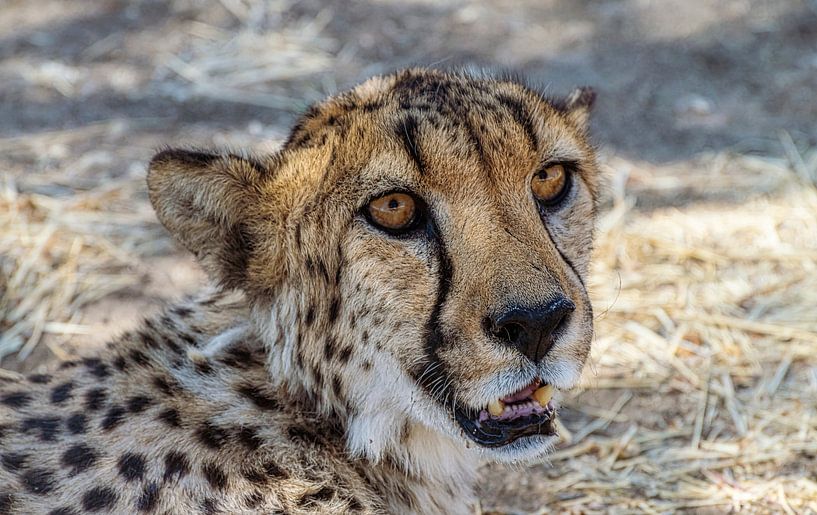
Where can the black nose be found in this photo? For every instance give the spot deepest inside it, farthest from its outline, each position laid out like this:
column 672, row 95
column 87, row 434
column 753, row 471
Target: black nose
column 531, row 330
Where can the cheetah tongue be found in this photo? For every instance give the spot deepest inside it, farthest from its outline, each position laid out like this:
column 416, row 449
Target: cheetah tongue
column 522, row 394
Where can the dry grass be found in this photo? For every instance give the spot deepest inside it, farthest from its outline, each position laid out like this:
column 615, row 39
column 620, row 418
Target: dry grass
column 60, row 254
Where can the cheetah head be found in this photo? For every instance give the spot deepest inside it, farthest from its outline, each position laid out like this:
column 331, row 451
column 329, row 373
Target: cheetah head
column 415, row 255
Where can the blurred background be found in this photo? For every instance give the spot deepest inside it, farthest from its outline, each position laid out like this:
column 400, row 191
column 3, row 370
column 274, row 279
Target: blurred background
column 700, row 392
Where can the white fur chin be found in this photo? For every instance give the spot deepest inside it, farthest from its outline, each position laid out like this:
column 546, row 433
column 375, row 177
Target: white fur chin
column 529, row 450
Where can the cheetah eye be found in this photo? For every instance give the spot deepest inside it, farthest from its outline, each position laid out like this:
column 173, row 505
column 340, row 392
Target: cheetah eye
column 550, row 184
column 395, row 212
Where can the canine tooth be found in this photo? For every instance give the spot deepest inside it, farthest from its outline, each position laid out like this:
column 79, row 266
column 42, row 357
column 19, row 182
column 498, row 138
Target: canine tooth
column 543, row 395
column 496, row 407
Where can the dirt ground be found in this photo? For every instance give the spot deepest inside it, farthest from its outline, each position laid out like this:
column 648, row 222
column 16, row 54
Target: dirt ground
column 700, row 392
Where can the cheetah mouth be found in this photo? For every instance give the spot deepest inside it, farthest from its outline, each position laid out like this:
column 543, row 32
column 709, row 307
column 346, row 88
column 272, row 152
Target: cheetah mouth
column 527, row 412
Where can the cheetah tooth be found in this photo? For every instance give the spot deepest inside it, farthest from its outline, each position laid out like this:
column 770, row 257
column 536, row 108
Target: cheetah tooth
column 543, row 395
column 496, row 407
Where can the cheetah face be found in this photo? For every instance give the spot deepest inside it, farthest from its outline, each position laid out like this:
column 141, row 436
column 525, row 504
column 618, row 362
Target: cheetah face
column 416, row 254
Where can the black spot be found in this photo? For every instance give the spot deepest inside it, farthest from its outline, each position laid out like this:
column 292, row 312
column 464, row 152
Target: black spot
column 68, row 364
column 16, row 399
column 323, row 271
column 120, row 364
column 345, row 354
column 203, row 367
column 354, row 504
column 62, row 393
column 149, row 341
column 209, row 506
column 170, row 417
column 63, row 511
column 274, row 471
column 139, row 358
column 239, row 357
column 39, row 378
column 408, row 131
column 131, row 466
column 337, row 386
column 176, row 465
column 166, row 385
column 258, row 397
column 253, row 499
column 212, row 436
column 248, row 436
column 324, row 494
column 79, row 458
column 254, row 476
column 38, row 481
column 48, row 427
column 99, row 498
column 367, row 365
column 139, row 403
column 299, row 358
column 113, row 417
column 6, row 503
column 329, row 348
column 173, row 346
column 310, row 315
column 303, row 434
column 214, row 475
column 13, row 461
column 77, row 423
column 95, row 399
column 182, row 311
column 149, row 497
column 187, row 338
column 372, row 106
column 318, row 378
column 334, row 309
column 96, row 367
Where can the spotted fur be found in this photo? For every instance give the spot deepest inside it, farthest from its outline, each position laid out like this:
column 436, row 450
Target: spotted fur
column 320, row 376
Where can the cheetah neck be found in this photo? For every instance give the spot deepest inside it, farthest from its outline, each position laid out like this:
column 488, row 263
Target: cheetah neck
column 427, row 473
column 415, row 468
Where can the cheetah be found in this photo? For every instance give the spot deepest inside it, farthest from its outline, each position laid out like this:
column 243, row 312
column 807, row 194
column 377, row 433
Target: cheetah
column 398, row 294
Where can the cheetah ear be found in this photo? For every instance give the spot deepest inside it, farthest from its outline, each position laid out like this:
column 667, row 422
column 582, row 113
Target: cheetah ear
column 577, row 106
column 202, row 198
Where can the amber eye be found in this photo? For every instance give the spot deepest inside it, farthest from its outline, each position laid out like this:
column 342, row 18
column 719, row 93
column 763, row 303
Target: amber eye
column 549, row 184
column 393, row 211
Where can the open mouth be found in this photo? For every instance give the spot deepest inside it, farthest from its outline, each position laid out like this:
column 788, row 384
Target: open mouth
column 526, row 412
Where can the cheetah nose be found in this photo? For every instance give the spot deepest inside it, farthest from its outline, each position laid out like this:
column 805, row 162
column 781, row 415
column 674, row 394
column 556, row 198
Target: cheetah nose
column 531, row 330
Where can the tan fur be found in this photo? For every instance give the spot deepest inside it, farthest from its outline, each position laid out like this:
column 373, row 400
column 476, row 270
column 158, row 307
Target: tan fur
column 324, row 382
